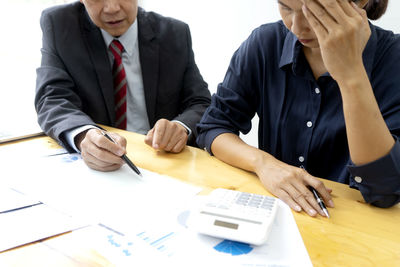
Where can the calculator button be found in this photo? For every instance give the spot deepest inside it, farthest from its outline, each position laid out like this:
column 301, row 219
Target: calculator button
column 266, row 203
column 241, row 202
column 243, row 199
column 266, row 207
column 245, row 195
column 268, row 200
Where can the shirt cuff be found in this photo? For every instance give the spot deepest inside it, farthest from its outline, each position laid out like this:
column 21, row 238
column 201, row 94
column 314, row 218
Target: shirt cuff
column 379, row 181
column 71, row 134
column 188, row 130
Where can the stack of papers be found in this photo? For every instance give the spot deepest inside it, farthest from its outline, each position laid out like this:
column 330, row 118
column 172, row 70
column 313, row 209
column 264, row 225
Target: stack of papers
column 23, row 220
column 14, row 133
column 11, row 200
column 148, row 216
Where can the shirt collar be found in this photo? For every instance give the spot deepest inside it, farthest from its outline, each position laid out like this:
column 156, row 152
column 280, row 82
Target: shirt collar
column 292, row 54
column 288, row 51
column 128, row 39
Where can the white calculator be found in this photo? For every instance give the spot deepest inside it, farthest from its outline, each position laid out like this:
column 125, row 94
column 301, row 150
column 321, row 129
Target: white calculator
column 235, row 216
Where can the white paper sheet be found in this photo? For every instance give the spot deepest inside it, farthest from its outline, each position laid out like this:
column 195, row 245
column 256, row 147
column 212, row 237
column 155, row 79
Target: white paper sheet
column 284, row 247
column 171, row 239
column 65, row 182
column 18, row 132
column 31, row 224
column 119, row 250
column 22, row 153
column 152, row 209
column 11, row 199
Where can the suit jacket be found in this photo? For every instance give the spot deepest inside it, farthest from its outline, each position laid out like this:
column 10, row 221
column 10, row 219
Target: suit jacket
column 74, row 84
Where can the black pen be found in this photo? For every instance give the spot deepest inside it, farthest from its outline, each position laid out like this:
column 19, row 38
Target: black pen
column 124, row 157
column 320, row 201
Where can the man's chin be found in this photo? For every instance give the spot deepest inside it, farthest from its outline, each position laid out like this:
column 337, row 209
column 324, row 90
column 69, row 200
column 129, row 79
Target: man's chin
column 115, row 31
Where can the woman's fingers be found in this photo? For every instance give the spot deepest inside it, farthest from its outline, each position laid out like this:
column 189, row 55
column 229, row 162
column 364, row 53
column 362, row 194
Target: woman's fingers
column 303, row 198
column 292, row 184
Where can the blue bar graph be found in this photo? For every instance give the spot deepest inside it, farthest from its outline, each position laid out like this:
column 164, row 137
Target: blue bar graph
column 159, row 242
column 155, row 243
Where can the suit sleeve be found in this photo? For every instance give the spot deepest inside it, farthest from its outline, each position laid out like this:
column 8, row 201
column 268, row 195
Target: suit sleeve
column 195, row 96
column 57, row 104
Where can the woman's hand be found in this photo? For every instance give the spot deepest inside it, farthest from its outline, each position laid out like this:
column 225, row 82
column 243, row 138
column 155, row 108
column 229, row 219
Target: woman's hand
column 284, row 181
column 290, row 184
column 342, row 30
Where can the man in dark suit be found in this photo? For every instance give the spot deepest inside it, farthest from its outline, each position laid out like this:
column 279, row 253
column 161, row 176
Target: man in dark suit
column 165, row 94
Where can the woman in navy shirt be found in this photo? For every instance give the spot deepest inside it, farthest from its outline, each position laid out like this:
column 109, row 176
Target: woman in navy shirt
column 325, row 84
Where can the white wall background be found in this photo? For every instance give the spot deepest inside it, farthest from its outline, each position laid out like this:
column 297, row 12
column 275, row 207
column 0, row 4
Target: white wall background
column 20, row 45
column 218, row 27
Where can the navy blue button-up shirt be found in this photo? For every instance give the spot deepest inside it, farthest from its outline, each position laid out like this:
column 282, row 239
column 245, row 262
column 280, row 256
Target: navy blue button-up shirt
column 301, row 118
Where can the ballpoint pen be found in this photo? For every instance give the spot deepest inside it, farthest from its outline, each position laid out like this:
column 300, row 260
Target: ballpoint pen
column 320, row 201
column 124, row 157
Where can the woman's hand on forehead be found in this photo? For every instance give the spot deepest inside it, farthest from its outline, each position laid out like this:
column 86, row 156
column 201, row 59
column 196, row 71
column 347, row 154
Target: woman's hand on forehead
column 342, row 31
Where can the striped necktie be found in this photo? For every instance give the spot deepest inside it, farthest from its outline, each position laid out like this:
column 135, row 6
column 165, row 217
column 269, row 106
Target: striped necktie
column 120, row 85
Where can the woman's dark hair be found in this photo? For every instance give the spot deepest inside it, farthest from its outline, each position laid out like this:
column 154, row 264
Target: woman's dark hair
column 376, row 8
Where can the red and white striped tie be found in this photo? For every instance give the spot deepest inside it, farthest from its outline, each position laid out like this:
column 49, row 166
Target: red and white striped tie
column 120, row 85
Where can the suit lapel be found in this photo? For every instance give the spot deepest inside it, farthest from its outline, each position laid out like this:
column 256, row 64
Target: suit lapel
column 149, row 61
column 101, row 63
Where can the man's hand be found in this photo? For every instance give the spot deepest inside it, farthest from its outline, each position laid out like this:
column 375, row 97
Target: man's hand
column 168, row 136
column 98, row 152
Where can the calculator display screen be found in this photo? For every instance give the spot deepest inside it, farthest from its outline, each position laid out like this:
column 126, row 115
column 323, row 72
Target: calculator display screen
column 226, row 224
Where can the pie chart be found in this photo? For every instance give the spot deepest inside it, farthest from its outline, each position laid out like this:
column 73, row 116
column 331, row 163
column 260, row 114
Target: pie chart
column 233, row 247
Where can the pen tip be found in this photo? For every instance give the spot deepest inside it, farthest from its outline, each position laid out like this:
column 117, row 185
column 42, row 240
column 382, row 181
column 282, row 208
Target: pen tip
column 327, row 214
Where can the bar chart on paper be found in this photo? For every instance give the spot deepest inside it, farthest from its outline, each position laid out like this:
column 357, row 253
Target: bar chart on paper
column 164, row 242
column 120, row 250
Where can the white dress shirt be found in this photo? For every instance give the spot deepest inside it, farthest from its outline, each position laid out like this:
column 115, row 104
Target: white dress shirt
column 137, row 119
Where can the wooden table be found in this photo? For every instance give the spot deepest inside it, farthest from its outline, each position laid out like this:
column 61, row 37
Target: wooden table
column 357, row 234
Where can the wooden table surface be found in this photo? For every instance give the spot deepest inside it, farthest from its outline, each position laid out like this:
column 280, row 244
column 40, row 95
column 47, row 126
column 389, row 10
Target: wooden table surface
column 357, row 234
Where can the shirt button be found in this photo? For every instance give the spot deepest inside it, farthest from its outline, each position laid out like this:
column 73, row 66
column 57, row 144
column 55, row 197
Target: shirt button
column 301, row 159
column 317, row 91
column 358, row 179
column 309, row 124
